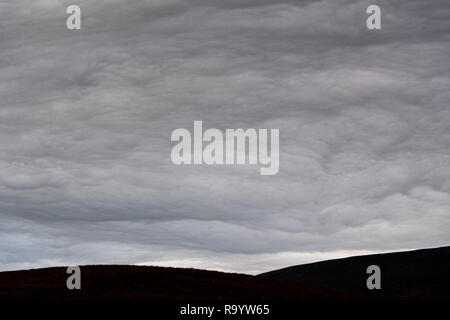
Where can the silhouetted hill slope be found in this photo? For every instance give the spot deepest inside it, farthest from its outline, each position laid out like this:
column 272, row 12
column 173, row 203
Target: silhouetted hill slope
column 420, row 274
column 112, row 282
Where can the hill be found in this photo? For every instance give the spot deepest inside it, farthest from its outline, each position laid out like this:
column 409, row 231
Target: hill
column 118, row 282
column 420, row 274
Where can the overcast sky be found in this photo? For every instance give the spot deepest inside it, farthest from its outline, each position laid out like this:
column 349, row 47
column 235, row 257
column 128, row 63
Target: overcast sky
column 86, row 118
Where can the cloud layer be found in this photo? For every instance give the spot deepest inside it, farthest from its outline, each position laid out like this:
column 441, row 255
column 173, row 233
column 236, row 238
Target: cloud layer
column 86, row 118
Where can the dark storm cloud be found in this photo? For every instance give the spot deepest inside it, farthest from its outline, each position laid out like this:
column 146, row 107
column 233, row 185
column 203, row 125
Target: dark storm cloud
column 86, row 118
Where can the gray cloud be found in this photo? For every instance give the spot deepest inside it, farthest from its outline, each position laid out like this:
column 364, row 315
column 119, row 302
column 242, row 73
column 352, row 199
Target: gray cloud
column 86, row 118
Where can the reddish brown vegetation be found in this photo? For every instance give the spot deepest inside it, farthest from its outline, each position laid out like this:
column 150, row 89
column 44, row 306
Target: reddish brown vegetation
column 152, row 283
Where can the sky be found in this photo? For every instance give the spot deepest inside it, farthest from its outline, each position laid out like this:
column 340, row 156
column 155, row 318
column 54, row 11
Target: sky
column 86, row 118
